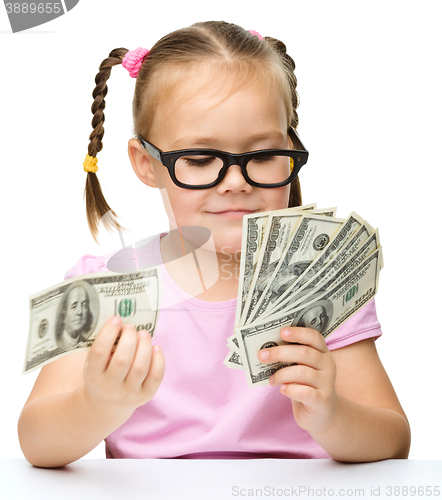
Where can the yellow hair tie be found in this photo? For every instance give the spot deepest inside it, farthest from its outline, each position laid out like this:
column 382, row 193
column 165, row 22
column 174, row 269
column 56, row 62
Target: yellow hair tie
column 292, row 164
column 90, row 164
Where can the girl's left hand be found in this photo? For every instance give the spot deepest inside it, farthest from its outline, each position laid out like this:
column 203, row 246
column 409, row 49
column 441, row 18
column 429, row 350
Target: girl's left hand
column 311, row 383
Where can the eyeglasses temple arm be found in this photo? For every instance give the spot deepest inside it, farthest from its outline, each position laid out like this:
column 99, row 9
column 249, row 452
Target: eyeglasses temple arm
column 295, row 136
column 150, row 148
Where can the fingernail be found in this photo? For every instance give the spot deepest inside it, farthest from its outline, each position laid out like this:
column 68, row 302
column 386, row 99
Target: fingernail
column 286, row 333
column 264, row 355
column 143, row 333
column 116, row 320
column 271, row 379
column 156, row 348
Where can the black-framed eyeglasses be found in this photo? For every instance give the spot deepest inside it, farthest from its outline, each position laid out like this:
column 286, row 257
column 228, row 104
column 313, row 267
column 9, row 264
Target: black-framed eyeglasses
column 205, row 168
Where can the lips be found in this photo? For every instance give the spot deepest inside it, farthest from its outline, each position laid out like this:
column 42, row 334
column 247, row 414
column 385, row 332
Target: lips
column 235, row 213
column 228, row 210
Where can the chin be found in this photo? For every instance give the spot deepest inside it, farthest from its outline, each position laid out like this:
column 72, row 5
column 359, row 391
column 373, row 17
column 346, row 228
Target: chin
column 228, row 241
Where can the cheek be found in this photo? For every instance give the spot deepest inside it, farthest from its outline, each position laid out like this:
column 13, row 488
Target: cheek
column 277, row 198
column 183, row 203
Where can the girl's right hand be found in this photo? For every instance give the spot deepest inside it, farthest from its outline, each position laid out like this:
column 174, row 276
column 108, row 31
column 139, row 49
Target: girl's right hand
column 127, row 378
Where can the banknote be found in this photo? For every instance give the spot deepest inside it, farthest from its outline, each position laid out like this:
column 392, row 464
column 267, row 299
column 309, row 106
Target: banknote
column 254, row 226
column 354, row 229
column 233, row 359
column 252, row 235
column 279, row 230
column 350, row 236
column 67, row 317
column 335, row 271
column 310, row 237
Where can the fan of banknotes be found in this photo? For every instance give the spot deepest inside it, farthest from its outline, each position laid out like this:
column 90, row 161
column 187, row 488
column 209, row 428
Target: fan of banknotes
column 300, row 266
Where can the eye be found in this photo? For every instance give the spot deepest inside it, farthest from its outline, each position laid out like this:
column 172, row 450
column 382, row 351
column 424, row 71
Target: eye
column 264, row 159
column 201, row 161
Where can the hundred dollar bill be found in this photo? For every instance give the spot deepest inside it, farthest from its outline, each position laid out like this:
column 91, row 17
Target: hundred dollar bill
column 252, row 236
column 336, row 270
column 232, row 342
column 278, row 231
column 233, row 359
column 353, row 224
column 67, row 317
column 311, row 236
column 274, row 235
column 325, row 311
column 354, row 229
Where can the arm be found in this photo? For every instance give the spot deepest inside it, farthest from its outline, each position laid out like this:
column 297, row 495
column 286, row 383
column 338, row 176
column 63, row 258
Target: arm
column 370, row 422
column 343, row 398
column 80, row 399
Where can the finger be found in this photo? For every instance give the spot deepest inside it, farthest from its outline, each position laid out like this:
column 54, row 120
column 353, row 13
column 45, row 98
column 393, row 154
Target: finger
column 99, row 354
column 124, row 354
column 304, row 394
column 141, row 363
column 288, row 353
column 305, row 336
column 156, row 372
column 299, row 374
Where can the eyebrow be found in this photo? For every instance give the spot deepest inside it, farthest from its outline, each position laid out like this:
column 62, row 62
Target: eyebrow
column 191, row 142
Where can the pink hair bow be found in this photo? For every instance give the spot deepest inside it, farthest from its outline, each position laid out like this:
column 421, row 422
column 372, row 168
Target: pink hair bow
column 253, row 32
column 133, row 60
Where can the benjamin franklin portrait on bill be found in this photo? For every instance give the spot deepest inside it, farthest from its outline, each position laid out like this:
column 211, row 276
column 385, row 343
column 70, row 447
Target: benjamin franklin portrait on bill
column 74, row 322
column 316, row 315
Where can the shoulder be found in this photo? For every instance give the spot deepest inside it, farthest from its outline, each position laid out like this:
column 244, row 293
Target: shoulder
column 144, row 253
column 88, row 264
column 362, row 325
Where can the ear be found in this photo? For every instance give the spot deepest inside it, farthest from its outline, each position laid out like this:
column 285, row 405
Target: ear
column 142, row 163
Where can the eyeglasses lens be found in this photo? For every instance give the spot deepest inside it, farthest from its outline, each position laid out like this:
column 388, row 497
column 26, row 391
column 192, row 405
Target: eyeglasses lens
column 270, row 169
column 196, row 170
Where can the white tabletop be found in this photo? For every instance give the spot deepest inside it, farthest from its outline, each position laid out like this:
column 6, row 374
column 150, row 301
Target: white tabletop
column 220, row 479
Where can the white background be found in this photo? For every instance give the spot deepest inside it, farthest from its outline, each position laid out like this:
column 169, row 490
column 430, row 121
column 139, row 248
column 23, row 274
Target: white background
column 369, row 80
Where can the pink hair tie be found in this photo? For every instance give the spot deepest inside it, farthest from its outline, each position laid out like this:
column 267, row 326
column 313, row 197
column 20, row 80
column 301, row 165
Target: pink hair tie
column 133, row 60
column 253, row 32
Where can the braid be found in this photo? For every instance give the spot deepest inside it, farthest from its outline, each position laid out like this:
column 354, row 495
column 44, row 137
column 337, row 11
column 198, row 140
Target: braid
column 290, row 66
column 96, row 206
column 295, row 198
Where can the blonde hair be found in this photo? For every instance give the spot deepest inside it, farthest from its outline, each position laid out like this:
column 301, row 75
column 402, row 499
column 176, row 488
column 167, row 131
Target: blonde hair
column 227, row 47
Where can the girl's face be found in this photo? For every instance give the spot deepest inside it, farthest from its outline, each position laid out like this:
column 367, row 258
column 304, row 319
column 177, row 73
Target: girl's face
column 192, row 119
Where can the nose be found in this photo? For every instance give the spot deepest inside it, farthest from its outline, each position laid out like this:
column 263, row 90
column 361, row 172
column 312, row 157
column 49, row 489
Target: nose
column 234, row 182
column 79, row 310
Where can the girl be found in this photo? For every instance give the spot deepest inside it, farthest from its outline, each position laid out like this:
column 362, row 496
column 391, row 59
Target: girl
column 210, row 86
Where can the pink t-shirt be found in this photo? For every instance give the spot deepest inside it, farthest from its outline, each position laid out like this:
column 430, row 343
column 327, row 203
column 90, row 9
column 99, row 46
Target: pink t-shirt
column 202, row 409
